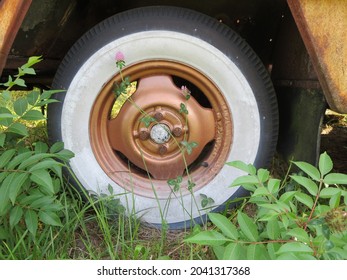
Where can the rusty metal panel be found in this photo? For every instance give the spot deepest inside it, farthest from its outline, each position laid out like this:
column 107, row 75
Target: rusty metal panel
column 12, row 13
column 323, row 26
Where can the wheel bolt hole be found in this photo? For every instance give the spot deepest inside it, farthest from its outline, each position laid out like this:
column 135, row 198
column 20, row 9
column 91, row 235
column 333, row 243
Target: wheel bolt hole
column 177, row 132
column 162, row 149
column 143, row 135
column 158, row 116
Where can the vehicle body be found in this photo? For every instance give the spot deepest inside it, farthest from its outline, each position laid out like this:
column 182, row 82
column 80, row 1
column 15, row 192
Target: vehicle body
column 304, row 61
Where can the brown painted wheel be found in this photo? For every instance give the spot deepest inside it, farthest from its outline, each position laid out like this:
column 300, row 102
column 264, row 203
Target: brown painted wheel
column 154, row 152
column 170, row 169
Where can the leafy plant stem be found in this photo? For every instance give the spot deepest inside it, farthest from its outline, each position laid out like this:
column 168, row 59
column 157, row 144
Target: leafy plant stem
column 314, row 204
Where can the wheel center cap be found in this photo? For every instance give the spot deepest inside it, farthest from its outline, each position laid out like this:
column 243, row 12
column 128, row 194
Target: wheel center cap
column 160, row 133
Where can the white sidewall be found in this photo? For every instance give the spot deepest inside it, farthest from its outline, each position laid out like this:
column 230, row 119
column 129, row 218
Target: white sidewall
column 174, row 46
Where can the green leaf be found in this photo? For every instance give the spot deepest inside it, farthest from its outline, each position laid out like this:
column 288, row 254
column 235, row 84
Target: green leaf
column 329, row 192
column 304, row 199
column 335, row 179
column 65, row 155
column 300, row 234
column 6, row 116
column 31, row 221
column 6, row 95
column 325, row 164
column 16, row 185
column 317, row 222
column 46, row 94
column 18, row 128
column 4, row 193
column 247, row 179
column 57, row 147
column 33, row 115
column 296, row 256
column 257, row 252
column 204, row 202
column 43, row 179
column 248, row 168
column 267, row 215
column 33, row 196
column 307, row 183
column 334, row 201
column 110, row 189
column 285, row 221
column 272, row 248
column 171, row 182
column 17, row 160
column 3, row 175
column 294, row 247
column 329, row 245
column 29, row 71
column 191, row 185
column 273, row 229
column 9, row 82
column 41, row 148
column 52, row 207
column 287, row 196
column 211, row 238
column 322, row 209
column 46, row 102
column 176, row 184
column 33, row 97
column 273, row 185
column 6, row 157
column 189, row 146
column 32, row 61
column 276, row 207
column 225, row 225
column 219, row 252
column 42, row 201
column 5, row 121
column 2, row 139
column 20, row 106
column 19, row 82
column 342, row 253
column 309, row 169
column 261, row 191
column 183, row 109
column 263, row 175
column 293, row 207
column 50, row 218
column 16, row 214
column 46, row 164
column 147, row 120
column 326, row 231
column 247, row 226
column 33, row 160
column 234, row 251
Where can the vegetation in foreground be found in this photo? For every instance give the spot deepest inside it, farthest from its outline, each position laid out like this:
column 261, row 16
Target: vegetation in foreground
column 42, row 216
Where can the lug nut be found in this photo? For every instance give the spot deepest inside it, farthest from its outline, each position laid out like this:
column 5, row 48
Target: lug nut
column 177, row 132
column 143, row 135
column 158, row 116
column 162, row 149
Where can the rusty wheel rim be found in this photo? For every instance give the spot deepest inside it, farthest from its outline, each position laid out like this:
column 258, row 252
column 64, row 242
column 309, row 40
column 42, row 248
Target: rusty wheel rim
column 141, row 158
